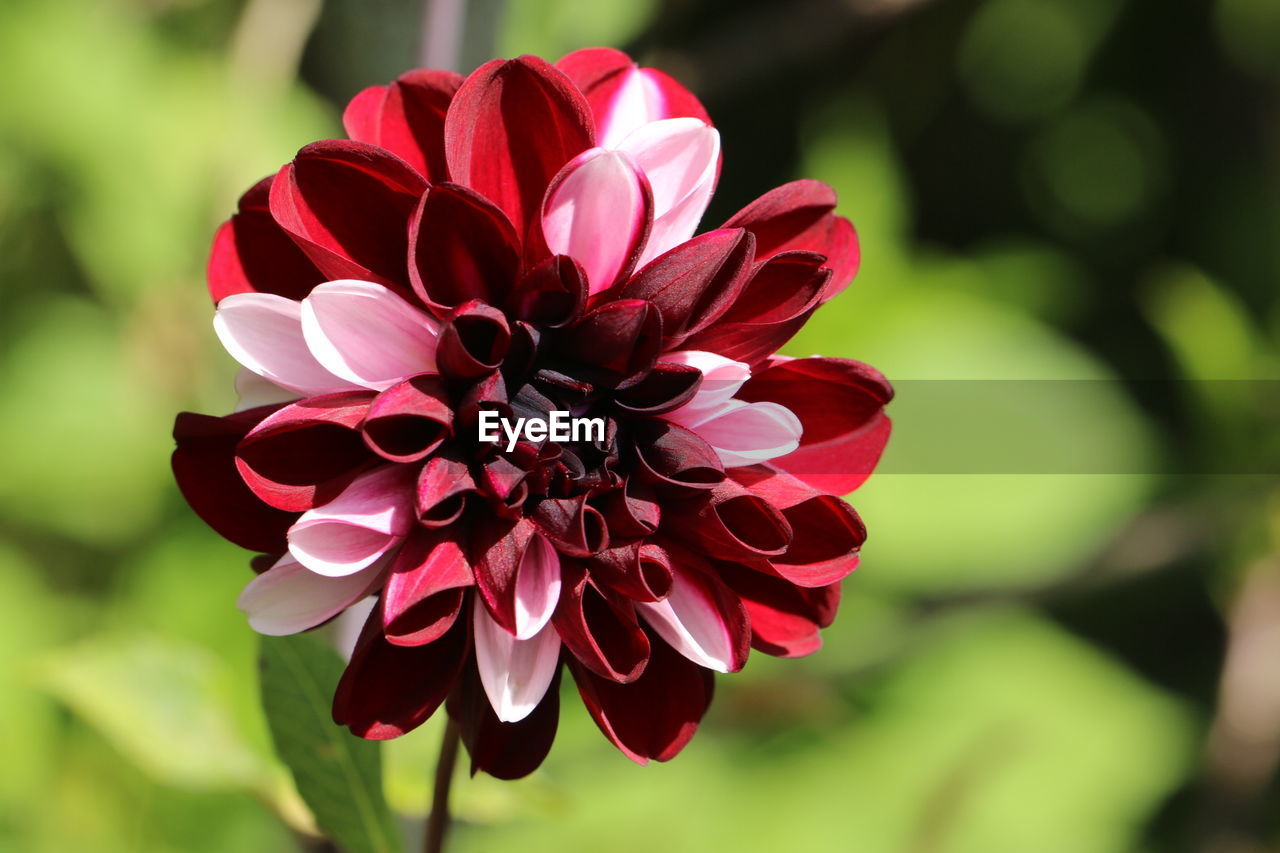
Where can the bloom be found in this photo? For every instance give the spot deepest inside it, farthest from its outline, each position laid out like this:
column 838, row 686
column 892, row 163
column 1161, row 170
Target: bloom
column 522, row 241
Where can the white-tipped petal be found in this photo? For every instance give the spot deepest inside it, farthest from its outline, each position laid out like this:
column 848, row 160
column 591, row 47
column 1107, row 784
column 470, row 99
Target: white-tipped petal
column 365, row 521
column 367, row 334
column 515, row 673
column 691, row 624
column 289, row 597
column 263, row 332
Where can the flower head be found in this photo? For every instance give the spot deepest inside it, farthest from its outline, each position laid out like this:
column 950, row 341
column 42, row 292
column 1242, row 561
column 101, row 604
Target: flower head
column 506, row 247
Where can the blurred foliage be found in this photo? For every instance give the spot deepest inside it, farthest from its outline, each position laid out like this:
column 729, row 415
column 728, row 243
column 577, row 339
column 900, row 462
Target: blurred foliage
column 1044, row 189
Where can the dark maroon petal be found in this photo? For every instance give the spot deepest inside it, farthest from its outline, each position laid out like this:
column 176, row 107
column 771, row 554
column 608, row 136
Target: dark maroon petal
column 307, row 452
column 409, row 420
column 598, row 72
column 488, row 394
column 827, row 532
column 552, row 294
column 461, row 247
column 406, row 118
column 251, row 253
column 443, row 485
column 799, row 215
column 618, row 339
column 497, row 547
column 776, row 302
column 600, row 630
column 675, row 457
column 424, row 589
column 735, row 524
column 510, row 128
column 204, row 464
column 388, row 690
column 348, row 205
column 654, row 716
column 694, row 283
column 640, row 572
column 841, row 404
column 629, row 511
column 668, row 386
column 574, row 528
column 503, row 750
column 785, row 619
column 474, row 341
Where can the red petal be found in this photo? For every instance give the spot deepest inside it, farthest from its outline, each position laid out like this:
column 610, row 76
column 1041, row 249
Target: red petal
column 827, row 532
column 204, row 466
column 599, row 71
column 503, row 750
column 676, row 458
column 348, row 205
column 461, row 247
column 785, row 619
column 654, row 716
column 424, row 590
column 388, row 690
column 251, row 253
column 307, row 452
column 621, row 339
column 776, row 302
column 734, row 524
column 511, row 126
column 799, row 215
column 694, row 283
column 475, row 341
column 640, row 572
column 841, row 404
column 576, row 529
column 601, row 632
column 406, row 118
column 409, row 420
column 497, row 547
column 443, row 486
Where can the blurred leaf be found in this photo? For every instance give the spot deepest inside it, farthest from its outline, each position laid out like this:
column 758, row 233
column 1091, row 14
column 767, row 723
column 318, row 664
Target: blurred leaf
column 161, row 703
column 338, row 775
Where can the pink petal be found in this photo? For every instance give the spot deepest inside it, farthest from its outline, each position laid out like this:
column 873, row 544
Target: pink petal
column 357, row 527
column 537, row 587
column 515, row 673
column 691, row 623
column 636, row 102
column 598, row 212
column 288, row 597
column 721, row 379
column 263, row 332
column 679, row 157
column 746, row 433
column 366, row 334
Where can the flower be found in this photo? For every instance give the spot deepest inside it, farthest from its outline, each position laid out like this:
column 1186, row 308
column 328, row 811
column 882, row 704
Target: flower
column 521, row 241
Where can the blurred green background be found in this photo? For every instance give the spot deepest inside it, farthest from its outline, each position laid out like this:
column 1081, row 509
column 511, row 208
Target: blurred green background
column 1045, row 190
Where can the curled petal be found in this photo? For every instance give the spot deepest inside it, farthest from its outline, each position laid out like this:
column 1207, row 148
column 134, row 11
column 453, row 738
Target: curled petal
column 785, row 618
column 841, row 404
column 598, row 211
column 424, row 589
column 461, row 247
column 600, row 629
column 443, row 486
column 695, row 283
column 305, row 453
column 653, row 717
column 735, row 524
column 721, row 378
column 408, row 421
column 702, row 619
column 799, row 216
column 313, row 198
column 620, row 339
column 288, row 597
column 263, row 332
column 504, row 750
column 577, row 529
column 204, row 464
column 366, row 334
column 369, row 518
column 474, row 341
column 515, row 673
column 376, row 701
column 676, row 458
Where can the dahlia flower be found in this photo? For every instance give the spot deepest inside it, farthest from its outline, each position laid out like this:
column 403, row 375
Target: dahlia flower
column 522, row 241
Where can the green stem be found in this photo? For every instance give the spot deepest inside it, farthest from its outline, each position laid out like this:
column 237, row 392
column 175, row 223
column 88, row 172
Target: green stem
column 438, row 821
